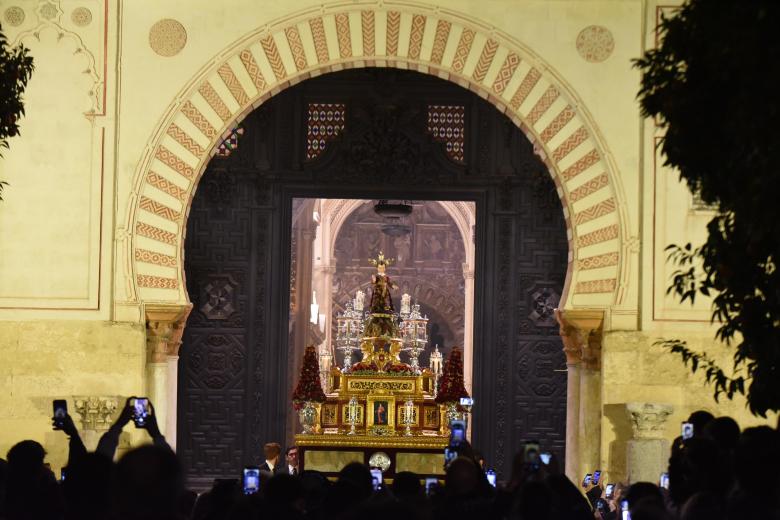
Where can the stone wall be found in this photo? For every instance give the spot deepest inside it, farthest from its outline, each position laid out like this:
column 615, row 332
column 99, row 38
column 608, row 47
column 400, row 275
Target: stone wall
column 636, row 371
column 45, row 360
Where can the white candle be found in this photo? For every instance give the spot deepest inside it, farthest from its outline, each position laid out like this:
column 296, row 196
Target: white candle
column 405, row 302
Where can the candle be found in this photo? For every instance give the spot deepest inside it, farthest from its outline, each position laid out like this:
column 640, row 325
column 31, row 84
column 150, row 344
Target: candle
column 359, row 300
column 405, row 302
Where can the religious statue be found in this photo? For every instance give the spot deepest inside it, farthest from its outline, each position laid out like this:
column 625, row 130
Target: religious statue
column 381, row 301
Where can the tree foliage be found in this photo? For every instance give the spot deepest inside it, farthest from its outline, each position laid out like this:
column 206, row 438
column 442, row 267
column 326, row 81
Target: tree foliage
column 16, row 65
column 710, row 86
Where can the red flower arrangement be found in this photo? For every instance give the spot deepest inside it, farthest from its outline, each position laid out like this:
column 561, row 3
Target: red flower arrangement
column 451, row 387
column 309, row 387
column 361, row 368
column 401, row 369
column 364, row 367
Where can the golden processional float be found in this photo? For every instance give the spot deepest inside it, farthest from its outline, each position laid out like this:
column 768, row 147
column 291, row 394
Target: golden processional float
column 379, row 410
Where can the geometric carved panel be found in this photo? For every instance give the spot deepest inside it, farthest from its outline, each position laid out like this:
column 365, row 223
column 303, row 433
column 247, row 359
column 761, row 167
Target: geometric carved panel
column 218, row 297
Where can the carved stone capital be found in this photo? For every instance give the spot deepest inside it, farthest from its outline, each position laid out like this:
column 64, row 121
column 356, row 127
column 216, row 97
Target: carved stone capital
column 581, row 332
column 97, row 412
column 648, row 420
column 164, row 329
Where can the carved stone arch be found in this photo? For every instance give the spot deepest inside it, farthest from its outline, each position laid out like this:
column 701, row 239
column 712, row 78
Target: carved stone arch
column 498, row 67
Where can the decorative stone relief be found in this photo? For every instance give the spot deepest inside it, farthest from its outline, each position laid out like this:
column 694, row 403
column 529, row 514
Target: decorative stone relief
column 97, row 412
column 595, row 43
column 648, row 420
column 81, row 16
column 14, row 16
column 167, row 37
column 48, row 11
column 544, row 302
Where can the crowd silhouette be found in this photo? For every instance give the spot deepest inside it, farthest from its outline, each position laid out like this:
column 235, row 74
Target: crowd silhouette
column 718, row 473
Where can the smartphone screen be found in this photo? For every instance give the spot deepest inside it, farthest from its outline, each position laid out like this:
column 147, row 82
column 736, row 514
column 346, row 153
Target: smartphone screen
column 491, row 477
column 466, row 401
column 664, row 480
column 626, row 514
column 449, row 455
column 610, row 491
column 587, row 480
column 251, row 480
column 596, row 477
column 60, row 407
column 687, row 430
column 431, row 483
column 376, row 477
column 62, row 474
column 457, row 432
column 546, row 456
column 140, row 411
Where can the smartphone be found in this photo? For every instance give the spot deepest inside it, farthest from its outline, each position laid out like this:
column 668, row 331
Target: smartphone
column 431, row 484
column 531, row 452
column 376, row 477
column 491, row 477
column 457, row 432
column 596, row 477
column 609, row 492
column 626, row 514
column 664, row 480
column 62, row 474
column 60, row 411
column 466, row 401
column 587, row 480
column 687, row 430
column 141, row 411
column 251, row 480
column 546, row 457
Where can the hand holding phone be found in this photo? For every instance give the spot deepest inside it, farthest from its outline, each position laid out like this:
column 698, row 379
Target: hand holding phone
column 687, row 430
column 596, row 477
column 609, row 492
column 587, row 480
column 491, row 477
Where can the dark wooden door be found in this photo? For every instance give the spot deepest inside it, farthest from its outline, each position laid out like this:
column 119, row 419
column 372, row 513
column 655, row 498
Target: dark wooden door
column 233, row 380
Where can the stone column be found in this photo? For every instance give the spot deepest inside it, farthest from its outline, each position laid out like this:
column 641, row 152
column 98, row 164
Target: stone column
column 590, row 404
column 580, row 331
column 468, row 328
column 572, row 348
column 647, row 454
column 164, row 329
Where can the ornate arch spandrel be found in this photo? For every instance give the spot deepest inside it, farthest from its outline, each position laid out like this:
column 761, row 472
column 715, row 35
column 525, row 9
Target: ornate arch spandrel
column 489, row 62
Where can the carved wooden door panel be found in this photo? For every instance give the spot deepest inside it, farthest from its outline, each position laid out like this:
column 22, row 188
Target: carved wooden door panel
column 216, row 347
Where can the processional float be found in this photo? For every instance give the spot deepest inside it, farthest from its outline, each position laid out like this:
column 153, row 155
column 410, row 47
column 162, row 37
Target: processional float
column 379, row 410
